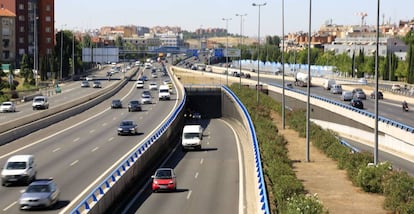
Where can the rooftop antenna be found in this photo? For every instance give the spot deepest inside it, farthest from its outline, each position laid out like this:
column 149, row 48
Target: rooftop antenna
column 362, row 15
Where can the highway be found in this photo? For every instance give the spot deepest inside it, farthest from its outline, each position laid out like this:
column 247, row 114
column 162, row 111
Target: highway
column 78, row 151
column 208, row 180
column 388, row 108
column 70, row 90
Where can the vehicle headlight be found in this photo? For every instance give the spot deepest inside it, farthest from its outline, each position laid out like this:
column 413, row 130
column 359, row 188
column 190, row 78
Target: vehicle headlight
column 171, row 182
column 119, row 129
column 155, row 182
column 131, row 129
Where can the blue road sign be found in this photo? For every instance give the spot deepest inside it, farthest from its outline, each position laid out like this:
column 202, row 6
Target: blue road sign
column 218, row 52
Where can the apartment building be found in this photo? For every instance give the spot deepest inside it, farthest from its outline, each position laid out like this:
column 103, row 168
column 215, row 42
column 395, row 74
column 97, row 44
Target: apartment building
column 34, row 25
column 7, row 36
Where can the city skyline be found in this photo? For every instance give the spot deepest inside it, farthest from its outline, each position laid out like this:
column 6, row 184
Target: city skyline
column 190, row 15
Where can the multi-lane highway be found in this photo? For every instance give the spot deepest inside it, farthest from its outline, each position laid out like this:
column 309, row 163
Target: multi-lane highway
column 208, row 180
column 77, row 152
column 70, row 91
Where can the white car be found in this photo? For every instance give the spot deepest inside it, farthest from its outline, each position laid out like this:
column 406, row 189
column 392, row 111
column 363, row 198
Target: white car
column 153, row 86
column 7, row 107
column 395, row 87
column 140, row 84
column 89, row 78
column 146, row 99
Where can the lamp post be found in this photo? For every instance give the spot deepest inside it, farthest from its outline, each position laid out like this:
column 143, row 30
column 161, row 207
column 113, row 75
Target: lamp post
column 258, row 52
column 308, row 87
column 241, row 43
column 283, row 65
column 227, row 47
column 35, row 49
column 73, row 54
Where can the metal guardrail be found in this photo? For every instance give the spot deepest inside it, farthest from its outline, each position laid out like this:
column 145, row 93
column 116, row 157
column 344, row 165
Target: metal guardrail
column 259, row 171
column 95, row 195
column 360, row 111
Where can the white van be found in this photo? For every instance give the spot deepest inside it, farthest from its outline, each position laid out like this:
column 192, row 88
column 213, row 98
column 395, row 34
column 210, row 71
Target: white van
column 328, row 83
column 19, row 169
column 40, row 102
column 192, row 136
column 164, row 92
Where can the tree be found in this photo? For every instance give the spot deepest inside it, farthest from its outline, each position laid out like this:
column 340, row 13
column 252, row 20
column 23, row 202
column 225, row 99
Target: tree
column 25, row 70
column 119, row 43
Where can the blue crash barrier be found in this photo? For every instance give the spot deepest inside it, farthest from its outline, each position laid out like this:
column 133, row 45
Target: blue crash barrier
column 360, row 111
column 92, row 198
column 260, row 178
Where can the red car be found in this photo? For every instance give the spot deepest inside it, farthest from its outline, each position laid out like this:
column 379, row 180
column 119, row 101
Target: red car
column 164, row 179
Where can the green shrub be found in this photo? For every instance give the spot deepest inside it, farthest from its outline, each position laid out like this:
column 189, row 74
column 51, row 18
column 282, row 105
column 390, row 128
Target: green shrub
column 399, row 192
column 370, row 177
column 303, row 204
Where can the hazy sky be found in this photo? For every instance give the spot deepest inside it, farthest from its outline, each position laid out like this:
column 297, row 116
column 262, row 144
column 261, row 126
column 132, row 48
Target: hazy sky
column 193, row 14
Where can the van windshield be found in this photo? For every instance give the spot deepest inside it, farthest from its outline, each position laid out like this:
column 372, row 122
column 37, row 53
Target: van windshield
column 164, row 90
column 16, row 165
column 191, row 135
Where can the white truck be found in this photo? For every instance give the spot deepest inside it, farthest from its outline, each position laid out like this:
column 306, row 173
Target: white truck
column 301, row 79
column 328, row 83
column 192, row 137
column 164, row 92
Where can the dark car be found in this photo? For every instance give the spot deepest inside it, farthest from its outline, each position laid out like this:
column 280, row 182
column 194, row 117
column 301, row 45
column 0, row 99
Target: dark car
column 380, row 95
column 40, row 193
column 360, row 95
column 134, row 105
column 357, row 103
column 116, row 104
column 144, row 78
column 127, row 127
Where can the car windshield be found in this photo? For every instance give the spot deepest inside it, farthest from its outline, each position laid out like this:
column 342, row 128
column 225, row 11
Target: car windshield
column 146, row 96
column 38, row 188
column 116, row 101
column 135, row 102
column 126, row 123
column 38, row 100
column 191, row 135
column 16, row 165
column 163, row 174
column 6, row 104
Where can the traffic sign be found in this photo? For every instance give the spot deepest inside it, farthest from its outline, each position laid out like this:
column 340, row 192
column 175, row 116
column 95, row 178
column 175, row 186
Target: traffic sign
column 232, row 52
column 218, row 52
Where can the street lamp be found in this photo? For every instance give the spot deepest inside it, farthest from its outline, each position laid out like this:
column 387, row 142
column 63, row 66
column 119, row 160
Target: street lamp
column 258, row 52
column 227, row 49
column 35, row 52
column 283, row 66
column 241, row 43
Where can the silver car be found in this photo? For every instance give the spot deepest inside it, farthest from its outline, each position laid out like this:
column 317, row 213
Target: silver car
column 347, row 95
column 42, row 193
column 7, row 107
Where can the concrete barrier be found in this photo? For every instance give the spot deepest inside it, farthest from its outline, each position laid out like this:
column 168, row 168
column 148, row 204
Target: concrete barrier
column 22, row 126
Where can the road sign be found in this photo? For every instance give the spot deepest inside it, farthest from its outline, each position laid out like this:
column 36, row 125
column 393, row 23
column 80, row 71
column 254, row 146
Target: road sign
column 218, row 52
column 232, row 52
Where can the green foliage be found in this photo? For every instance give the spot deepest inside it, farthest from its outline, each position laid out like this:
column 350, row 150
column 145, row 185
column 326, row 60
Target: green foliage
column 304, row 204
column 399, row 192
column 277, row 167
column 370, row 178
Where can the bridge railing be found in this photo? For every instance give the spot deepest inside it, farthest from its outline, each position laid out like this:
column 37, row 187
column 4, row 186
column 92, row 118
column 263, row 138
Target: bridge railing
column 263, row 199
column 97, row 195
column 367, row 114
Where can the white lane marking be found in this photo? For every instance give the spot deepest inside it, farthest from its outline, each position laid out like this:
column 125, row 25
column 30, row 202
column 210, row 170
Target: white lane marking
column 92, row 131
column 88, row 188
column 8, row 207
column 201, row 161
column 76, row 139
column 110, row 139
column 74, row 162
column 189, row 194
column 94, row 149
column 55, row 150
column 241, row 173
column 196, row 175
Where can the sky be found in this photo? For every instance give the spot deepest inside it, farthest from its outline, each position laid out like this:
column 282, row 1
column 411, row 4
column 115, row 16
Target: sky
column 193, row 14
